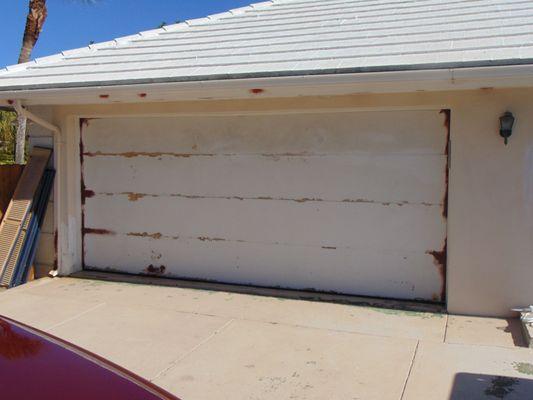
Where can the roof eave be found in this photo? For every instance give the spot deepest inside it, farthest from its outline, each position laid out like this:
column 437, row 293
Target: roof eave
column 280, row 84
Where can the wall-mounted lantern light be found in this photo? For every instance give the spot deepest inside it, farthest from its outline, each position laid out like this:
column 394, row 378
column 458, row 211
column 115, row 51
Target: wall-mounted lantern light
column 506, row 125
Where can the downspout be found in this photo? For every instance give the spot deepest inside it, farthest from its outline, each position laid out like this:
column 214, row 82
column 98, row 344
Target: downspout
column 24, row 114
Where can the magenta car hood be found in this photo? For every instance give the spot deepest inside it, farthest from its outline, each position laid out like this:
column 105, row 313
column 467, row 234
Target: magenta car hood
column 35, row 365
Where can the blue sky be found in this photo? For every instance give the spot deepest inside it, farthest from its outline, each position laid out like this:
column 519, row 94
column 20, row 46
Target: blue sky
column 72, row 24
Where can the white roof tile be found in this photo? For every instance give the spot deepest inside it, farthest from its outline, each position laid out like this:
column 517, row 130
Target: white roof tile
column 297, row 37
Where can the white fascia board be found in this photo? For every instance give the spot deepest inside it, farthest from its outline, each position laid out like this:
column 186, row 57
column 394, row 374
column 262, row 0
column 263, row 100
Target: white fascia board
column 306, row 85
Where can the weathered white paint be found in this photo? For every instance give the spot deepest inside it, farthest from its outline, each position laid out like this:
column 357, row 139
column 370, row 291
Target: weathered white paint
column 344, row 270
column 349, row 202
column 304, row 133
column 258, row 176
column 378, row 226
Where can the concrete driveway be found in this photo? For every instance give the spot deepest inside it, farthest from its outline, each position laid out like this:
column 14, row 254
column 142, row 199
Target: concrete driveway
column 202, row 344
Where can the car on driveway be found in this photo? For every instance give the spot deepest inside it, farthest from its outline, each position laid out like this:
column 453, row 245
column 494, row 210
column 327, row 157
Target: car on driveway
column 36, row 365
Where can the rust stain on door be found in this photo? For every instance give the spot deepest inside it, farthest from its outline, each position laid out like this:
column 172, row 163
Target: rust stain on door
column 97, row 231
column 440, row 259
column 155, row 235
column 85, row 193
column 83, row 122
column 153, row 270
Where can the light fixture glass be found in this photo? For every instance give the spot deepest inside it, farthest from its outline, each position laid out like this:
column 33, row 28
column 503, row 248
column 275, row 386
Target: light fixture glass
column 506, row 125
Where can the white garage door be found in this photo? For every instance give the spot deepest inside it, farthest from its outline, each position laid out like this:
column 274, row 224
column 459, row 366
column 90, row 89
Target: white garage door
column 348, row 202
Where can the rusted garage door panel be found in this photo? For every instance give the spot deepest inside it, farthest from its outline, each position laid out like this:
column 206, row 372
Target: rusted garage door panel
column 385, row 178
column 369, row 132
column 310, row 222
column 350, row 202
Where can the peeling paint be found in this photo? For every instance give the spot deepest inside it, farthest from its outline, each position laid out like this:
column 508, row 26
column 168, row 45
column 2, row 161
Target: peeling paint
column 153, row 235
column 155, row 256
column 144, row 201
column 156, row 235
column 135, row 196
column 151, row 269
column 132, row 154
column 388, row 203
column 161, row 236
column 274, row 155
column 97, row 231
column 305, row 199
column 210, row 239
column 85, row 193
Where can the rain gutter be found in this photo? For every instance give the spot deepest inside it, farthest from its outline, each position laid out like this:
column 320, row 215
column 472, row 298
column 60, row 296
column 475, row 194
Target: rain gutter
column 434, row 77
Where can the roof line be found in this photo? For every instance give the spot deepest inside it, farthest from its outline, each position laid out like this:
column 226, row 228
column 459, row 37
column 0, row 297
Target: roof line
column 143, row 34
column 43, row 68
column 275, row 74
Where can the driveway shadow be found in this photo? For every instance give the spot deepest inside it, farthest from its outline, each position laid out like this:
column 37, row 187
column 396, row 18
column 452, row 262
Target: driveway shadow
column 468, row 386
column 514, row 327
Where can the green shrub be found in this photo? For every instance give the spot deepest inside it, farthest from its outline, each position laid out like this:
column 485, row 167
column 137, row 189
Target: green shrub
column 8, row 123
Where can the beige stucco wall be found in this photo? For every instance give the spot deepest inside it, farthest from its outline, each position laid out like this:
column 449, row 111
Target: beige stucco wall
column 490, row 219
